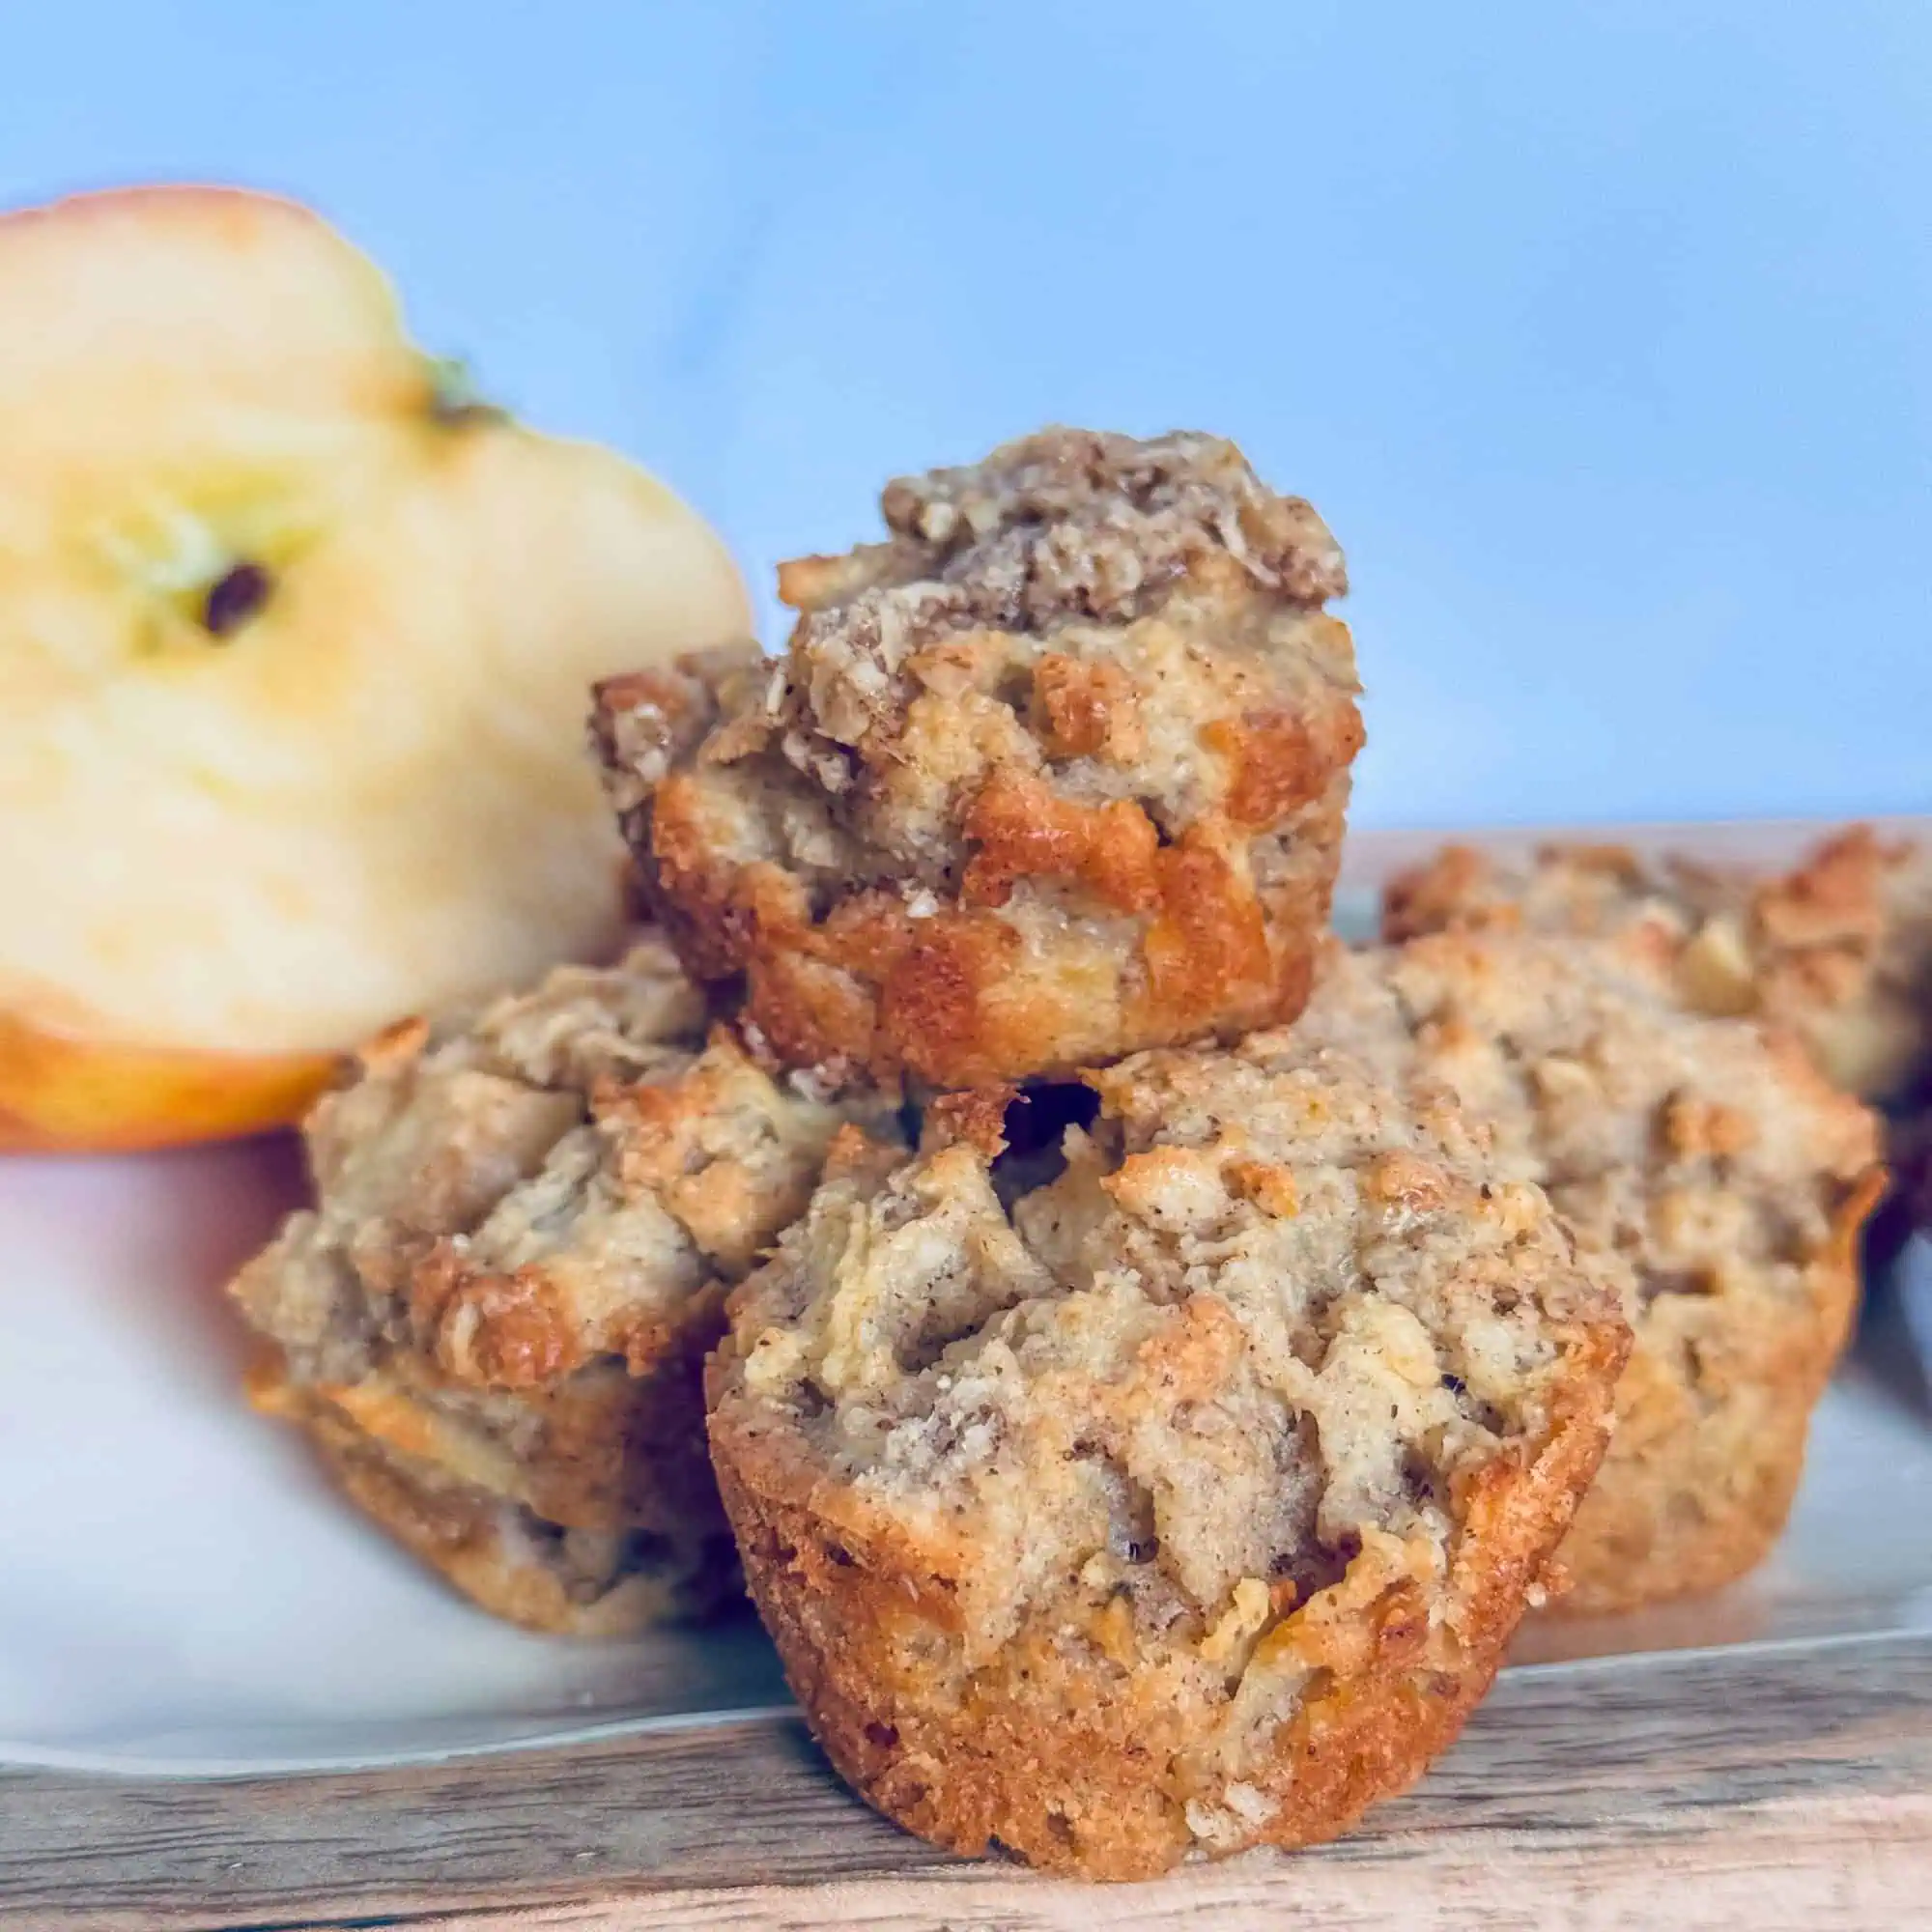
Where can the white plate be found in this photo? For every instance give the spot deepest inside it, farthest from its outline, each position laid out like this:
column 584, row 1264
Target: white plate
column 181, row 1592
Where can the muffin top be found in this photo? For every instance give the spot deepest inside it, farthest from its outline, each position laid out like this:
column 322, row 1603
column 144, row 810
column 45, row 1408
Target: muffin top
column 512, row 1192
column 1839, row 948
column 1709, row 1156
column 1273, row 1340
column 1046, row 720
column 1596, row 891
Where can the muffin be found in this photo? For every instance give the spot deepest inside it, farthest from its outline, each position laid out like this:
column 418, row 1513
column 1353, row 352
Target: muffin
column 493, row 1321
column 1838, row 949
column 1055, row 773
column 1707, row 1160
column 1187, row 1504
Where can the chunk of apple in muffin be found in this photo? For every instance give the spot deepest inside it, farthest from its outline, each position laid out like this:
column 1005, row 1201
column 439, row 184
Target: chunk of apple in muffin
column 296, row 641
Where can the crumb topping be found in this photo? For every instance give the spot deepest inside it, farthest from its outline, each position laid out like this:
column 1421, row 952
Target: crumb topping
column 1054, row 773
column 1839, row 948
column 1269, row 1313
column 525, row 1218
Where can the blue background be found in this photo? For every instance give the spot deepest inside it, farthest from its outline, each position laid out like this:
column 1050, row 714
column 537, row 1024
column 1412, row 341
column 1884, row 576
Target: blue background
column 1602, row 335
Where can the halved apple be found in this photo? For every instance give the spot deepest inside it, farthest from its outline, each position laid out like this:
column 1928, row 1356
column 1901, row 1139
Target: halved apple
column 296, row 641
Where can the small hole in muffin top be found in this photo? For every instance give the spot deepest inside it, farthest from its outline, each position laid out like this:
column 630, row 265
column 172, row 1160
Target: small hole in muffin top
column 1035, row 1128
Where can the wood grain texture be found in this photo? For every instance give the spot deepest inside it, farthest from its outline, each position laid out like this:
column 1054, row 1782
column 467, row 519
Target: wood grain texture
column 1788, row 1789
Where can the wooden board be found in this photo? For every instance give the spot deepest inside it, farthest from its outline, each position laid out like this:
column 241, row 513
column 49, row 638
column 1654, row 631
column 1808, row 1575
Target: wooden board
column 1789, row 1789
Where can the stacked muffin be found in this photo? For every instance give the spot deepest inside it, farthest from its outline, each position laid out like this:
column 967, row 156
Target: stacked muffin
column 1164, row 1479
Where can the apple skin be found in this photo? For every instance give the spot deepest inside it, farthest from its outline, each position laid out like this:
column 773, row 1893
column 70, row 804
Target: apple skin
column 62, row 1094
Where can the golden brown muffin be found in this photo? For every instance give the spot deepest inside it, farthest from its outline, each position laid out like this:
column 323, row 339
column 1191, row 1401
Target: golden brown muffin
column 1055, row 773
column 1188, row 1504
column 1839, row 948
column 1707, row 1160
column 493, row 1321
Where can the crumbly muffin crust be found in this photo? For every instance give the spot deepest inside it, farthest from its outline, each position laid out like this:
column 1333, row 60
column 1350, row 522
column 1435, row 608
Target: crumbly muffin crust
column 1707, row 1160
column 1188, row 1504
column 1056, row 772
column 1838, row 949
column 495, row 1319
column 501, row 1555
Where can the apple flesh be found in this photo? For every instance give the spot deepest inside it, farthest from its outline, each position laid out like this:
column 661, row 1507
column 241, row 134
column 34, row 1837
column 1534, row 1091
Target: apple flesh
column 295, row 650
